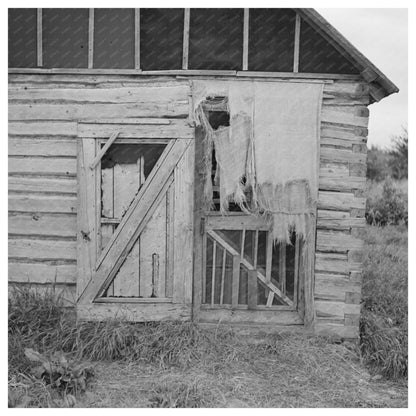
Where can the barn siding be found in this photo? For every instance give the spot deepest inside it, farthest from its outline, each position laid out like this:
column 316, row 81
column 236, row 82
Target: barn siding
column 43, row 114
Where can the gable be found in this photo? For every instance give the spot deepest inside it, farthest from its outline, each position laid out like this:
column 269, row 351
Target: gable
column 255, row 40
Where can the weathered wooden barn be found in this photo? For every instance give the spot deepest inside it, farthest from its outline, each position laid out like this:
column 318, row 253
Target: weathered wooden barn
column 204, row 164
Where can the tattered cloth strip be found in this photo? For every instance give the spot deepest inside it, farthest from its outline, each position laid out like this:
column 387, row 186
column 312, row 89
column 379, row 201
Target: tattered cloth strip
column 286, row 132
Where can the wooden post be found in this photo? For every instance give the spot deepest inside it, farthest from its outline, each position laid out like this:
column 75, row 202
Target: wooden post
column 236, row 280
column 214, row 259
column 245, row 39
column 137, row 38
column 91, row 39
column 252, row 289
column 185, row 39
column 39, row 39
column 282, row 267
column 224, row 259
column 297, row 40
column 296, row 273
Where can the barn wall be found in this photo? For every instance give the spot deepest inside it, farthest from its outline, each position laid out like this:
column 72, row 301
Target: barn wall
column 43, row 115
column 341, row 208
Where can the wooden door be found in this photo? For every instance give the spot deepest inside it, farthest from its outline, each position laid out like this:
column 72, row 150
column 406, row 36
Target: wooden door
column 134, row 227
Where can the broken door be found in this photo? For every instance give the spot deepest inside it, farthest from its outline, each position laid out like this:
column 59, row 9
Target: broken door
column 135, row 225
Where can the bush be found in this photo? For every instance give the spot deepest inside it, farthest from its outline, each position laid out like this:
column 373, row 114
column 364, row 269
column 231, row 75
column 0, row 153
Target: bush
column 384, row 317
column 387, row 204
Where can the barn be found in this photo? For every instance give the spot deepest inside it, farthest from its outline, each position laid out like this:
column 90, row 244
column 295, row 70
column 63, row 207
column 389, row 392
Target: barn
column 190, row 164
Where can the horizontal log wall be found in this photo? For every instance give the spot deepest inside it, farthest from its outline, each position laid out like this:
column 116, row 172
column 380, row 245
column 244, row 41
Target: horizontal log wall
column 43, row 115
column 341, row 208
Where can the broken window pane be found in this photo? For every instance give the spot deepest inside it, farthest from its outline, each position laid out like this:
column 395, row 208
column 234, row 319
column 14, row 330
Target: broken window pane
column 114, row 38
column 65, row 38
column 216, row 39
column 161, row 39
column 22, row 38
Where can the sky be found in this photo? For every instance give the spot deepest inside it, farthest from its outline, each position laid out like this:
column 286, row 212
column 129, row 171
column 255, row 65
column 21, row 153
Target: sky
column 381, row 35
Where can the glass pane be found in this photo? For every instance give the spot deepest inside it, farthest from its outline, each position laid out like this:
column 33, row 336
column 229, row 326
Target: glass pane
column 271, row 40
column 65, row 38
column 216, row 39
column 114, row 38
column 22, row 38
column 161, row 39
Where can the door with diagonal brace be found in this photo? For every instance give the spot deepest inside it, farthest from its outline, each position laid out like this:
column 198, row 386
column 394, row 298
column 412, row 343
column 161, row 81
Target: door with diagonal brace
column 134, row 226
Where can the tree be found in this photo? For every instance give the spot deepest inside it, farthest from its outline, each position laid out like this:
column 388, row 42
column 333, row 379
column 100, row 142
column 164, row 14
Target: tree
column 398, row 160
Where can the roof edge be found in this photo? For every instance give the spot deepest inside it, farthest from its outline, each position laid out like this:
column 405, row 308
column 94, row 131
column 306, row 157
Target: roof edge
column 380, row 85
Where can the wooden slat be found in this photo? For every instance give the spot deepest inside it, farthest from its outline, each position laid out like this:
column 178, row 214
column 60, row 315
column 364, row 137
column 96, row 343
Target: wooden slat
column 337, row 241
column 185, row 55
column 340, row 201
column 235, row 222
column 42, row 128
column 27, row 185
column 41, row 166
column 334, row 287
column 282, row 267
column 42, row 203
column 245, row 39
column 332, row 263
column 104, row 149
column 252, row 289
column 224, row 260
column 341, row 155
column 270, row 298
column 296, row 44
column 296, row 272
column 58, row 225
column 91, row 39
column 335, row 309
column 256, row 248
column 39, row 39
column 42, row 249
column 348, row 116
column 170, row 243
column 269, row 255
column 42, row 147
column 42, row 273
column 214, row 259
column 236, row 280
column 137, row 38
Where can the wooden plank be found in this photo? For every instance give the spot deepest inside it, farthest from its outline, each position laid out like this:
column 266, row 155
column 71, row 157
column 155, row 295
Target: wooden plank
column 39, row 40
column 153, row 242
column 342, row 184
column 349, row 89
column 136, row 218
column 245, row 39
column 332, row 263
column 185, row 56
column 159, row 93
column 183, row 224
column 91, row 38
column 282, row 267
column 88, row 111
column 127, row 182
column 214, row 259
column 224, row 260
column 337, row 131
column 339, row 201
column 57, row 225
column 134, row 312
column 42, row 249
column 42, row 204
column 347, row 115
column 334, row 287
column 137, row 38
column 42, row 147
column 256, row 248
column 42, row 273
column 340, row 223
column 296, row 273
column 235, row 222
column 86, row 218
column 42, row 128
column 341, row 155
column 179, row 129
column 335, row 309
column 296, row 44
column 236, row 280
column 170, row 234
column 269, row 255
column 337, row 241
column 270, row 299
column 104, row 149
column 28, row 185
column 41, row 166
column 330, row 169
column 252, row 289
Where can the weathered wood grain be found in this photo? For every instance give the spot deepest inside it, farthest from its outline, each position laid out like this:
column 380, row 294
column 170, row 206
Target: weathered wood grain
column 341, row 201
column 42, row 203
column 43, row 128
column 42, row 166
column 42, row 249
column 42, row 147
column 27, row 185
column 337, row 241
column 42, row 273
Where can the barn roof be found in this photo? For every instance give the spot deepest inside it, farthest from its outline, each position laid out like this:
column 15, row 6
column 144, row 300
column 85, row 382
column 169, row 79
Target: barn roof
column 380, row 85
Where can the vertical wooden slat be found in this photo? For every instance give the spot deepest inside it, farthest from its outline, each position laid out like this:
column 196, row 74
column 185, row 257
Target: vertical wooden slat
column 224, row 259
column 236, row 280
column 185, row 55
column 170, row 213
column 214, row 255
column 252, row 289
column 91, row 39
column 245, row 39
column 296, row 273
column 256, row 248
column 282, row 267
column 39, row 39
column 204, row 268
column 269, row 254
column 137, row 38
column 270, row 298
column 243, row 242
column 155, row 275
column 296, row 48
